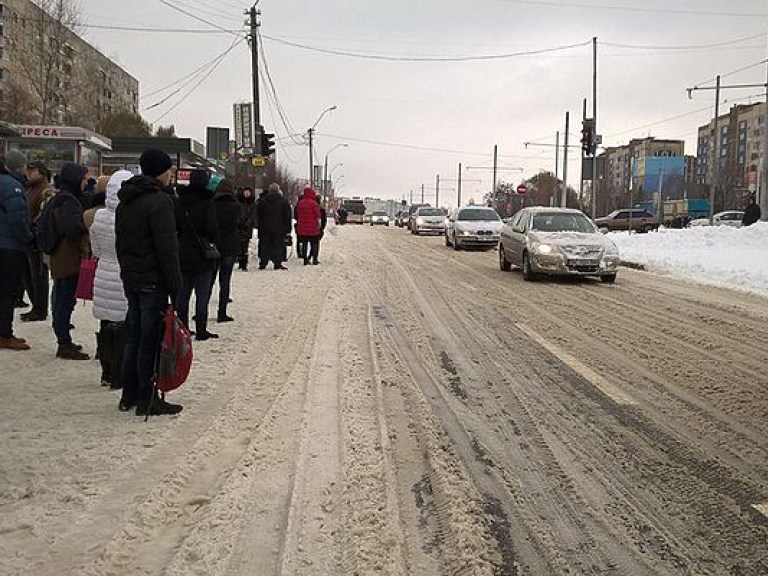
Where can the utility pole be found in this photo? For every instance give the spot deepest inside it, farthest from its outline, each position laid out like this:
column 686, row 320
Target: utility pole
column 715, row 155
column 763, row 203
column 581, row 165
column 593, row 203
column 254, row 35
column 564, row 197
column 422, row 193
column 311, row 159
column 411, row 202
column 458, row 203
column 437, row 191
column 495, row 166
column 557, row 155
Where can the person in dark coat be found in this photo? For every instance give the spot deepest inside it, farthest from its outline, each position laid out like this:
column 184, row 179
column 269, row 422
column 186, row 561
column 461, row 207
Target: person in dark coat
column 15, row 242
column 273, row 215
column 37, row 278
column 148, row 253
column 228, row 215
column 323, row 224
column 246, row 225
column 197, row 229
column 65, row 259
column 308, row 217
column 752, row 213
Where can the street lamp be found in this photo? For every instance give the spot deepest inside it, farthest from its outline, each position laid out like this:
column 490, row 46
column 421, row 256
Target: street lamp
column 311, row 132
column 330, row 175
column 325, row 171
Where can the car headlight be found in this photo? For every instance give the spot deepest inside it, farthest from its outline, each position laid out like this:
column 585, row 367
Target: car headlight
column 612, row 251
column 545, row 249
column 419, row 221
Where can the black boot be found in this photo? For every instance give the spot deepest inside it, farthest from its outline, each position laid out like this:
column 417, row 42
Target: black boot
column 104, row 353
column 157, row 406
column 201, row 329
column 116, row 359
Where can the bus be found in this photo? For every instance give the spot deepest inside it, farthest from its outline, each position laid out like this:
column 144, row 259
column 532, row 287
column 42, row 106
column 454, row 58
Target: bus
column 355, row 208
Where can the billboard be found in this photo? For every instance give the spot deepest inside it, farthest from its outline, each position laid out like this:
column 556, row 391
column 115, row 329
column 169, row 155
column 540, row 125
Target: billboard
column 217, row 143
column 654, row 174
column 243, row 113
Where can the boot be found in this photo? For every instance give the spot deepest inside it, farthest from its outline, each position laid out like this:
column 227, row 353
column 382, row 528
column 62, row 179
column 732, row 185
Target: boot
column 104, row 354
column 118, row 348
column 201, row 330
column 222, row 317
column 157, row 406
column 13, row 343
column 71, row 352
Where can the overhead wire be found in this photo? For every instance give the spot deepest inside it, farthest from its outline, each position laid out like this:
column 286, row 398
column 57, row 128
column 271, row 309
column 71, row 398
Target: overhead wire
column 370, row 56
column 665, row 10
column 157, row 30
column 684, row 47
column 194, row 16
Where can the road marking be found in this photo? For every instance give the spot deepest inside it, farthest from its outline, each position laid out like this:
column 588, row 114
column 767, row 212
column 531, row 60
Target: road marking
column 762, row 508
column 611, row 390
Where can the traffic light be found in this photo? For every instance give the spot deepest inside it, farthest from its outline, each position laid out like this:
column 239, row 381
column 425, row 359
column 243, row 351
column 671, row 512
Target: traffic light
column 267, row 144
column 588, row 136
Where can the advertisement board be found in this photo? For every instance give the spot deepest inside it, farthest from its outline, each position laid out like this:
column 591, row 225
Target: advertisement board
column 243, row 113
column 654, row 174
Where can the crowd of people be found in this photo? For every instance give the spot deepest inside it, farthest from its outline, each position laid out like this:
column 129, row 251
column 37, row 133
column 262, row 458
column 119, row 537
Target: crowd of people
column 152, row 242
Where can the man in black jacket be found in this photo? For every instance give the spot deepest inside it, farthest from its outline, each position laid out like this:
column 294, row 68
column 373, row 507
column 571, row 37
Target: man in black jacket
column 148, row 252
column 273, row 215
column 751, row 213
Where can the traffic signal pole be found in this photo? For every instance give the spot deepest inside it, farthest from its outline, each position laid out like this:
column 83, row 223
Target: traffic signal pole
column 254, row 35
column 564, row 197
column 593, row 196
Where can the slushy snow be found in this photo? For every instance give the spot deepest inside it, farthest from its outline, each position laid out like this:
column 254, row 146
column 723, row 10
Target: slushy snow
column 719, row 255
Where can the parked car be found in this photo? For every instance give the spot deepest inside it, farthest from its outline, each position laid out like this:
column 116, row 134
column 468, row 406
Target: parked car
column 401, row 218
column 557, row 241
column 427, row 220
column 728, row 218
column 477, row 226
column 379, row 218
column 411, row 214
column 638, row 218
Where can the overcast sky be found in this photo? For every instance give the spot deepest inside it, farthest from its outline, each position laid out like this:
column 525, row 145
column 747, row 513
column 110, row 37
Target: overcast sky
column 465, row 106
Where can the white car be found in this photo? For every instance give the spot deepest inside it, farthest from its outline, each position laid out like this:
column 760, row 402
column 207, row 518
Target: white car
column 428, row 220
column 476, row 226
column 379, row 218
column 730, row 218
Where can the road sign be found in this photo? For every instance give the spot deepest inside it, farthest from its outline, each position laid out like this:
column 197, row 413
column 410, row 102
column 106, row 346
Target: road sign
column 258, row 161
column 522, row 189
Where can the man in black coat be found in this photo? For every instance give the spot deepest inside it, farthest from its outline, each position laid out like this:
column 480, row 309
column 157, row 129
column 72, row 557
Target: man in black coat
column 752, row 213
column 148, row 252
column 273, row 214
column 228, row 214
column 247, row 224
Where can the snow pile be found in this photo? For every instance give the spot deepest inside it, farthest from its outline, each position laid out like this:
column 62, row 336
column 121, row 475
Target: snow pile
column 719, row 255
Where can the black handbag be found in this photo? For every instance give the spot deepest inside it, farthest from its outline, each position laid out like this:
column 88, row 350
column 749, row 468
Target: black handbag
column 210, row 251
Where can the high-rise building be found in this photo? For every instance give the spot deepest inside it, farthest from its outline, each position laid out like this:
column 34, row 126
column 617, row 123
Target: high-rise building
column 739, row 149
column 49, row 75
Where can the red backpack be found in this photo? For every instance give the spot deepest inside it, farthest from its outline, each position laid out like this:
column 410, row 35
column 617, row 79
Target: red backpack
column 174, row 358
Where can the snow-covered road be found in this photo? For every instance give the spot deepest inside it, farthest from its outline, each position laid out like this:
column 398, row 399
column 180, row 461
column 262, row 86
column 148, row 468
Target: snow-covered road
column 407, row 409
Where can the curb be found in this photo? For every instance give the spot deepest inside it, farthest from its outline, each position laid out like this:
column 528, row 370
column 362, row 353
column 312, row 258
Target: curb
column 633, row 265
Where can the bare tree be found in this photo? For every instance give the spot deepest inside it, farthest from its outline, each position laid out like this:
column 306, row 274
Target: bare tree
column 49, row 60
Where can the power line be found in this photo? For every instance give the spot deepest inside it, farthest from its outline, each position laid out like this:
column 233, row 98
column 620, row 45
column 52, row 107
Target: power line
column 637, row 9
column 191, row 15
column 369, row 56
column 218, row 13
column 160, row 30
column 212, row 69
column 685, row 47
column 733, row 72
column 665, row 120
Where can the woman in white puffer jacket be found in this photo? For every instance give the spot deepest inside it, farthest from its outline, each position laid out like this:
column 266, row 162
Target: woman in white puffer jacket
column 109, row 303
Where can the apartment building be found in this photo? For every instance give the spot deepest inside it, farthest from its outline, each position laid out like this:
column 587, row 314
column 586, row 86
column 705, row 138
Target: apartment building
column 50, row 75
column 739, row 149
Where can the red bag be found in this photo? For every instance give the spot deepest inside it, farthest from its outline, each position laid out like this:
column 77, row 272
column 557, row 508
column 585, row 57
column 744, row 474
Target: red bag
column 174, row 358
column 85, row 279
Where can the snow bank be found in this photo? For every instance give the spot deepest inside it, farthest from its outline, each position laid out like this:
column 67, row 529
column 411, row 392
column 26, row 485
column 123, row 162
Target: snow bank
column 718, row 255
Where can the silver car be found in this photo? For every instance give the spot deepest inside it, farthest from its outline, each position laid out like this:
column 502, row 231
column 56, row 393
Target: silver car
column 557, row 241
column 476, row 226
column 427, row 220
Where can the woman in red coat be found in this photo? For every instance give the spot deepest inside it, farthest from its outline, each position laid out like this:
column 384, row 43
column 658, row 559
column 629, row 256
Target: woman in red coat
column 308, row 225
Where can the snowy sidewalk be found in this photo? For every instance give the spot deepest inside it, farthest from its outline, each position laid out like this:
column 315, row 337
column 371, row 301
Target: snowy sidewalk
column 734, row 258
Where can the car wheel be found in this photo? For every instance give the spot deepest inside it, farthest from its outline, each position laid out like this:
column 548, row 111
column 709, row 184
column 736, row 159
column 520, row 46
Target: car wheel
column 504, row 264
column 456, row 245
column 528, row 274
column 609, row 279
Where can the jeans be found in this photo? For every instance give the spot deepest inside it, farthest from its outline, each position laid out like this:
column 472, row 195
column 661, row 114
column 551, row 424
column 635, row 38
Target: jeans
column 201, row 284
column 12, row 263
column 224, row 272
column 64, row 290
column 146, row 305
column 36, row 283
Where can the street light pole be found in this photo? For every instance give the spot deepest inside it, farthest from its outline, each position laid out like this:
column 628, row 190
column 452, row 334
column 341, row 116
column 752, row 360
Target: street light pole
column 564, row 197
column 311, row 133
column 458, row 204
column 764, row 176
column 325, row 168
column 437, row 191
column 495, row 166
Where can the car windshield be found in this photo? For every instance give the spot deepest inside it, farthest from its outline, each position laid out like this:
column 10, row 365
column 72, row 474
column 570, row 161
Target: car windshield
column 562, row 222
column 475, row 214
column 379, row 213
column 430, row 212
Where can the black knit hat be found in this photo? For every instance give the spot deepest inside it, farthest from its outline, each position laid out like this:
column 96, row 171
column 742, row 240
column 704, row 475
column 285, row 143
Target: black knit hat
column 154, row 162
